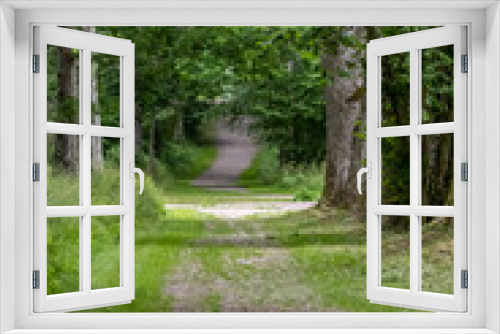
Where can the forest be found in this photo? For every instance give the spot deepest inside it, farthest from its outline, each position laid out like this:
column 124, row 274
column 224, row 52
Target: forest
column 302, row 91
column 303, row 87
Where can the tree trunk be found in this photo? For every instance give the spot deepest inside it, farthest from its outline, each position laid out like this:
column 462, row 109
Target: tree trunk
column 152, row 144
column 178, row 133
column 97, row 159
column 138, row 131
column 96, row 143
column 345, row 105
column 67, row 148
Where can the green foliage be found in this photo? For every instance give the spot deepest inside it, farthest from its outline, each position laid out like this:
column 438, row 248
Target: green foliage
column 106, row 97
column 185, row 77
column 395, row 170
column 273, row 76
column 265, row 167
column 395, row 94
column 303, row 181
column 159, row 238
column 186, row 160
column 62, row 255
column 62, row 85
column 437, row 106
column 281, row 87
column 437, row 84
column 305, row 194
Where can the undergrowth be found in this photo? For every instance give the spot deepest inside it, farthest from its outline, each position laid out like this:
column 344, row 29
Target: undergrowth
column 266, row 174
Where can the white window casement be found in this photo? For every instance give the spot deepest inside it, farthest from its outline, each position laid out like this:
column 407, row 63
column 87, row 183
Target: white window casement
column 86, row 45
column 413, row 45
column 477, row 141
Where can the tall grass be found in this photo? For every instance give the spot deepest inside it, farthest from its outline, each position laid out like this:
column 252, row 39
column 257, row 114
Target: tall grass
column 266, row 174
column 159, row 235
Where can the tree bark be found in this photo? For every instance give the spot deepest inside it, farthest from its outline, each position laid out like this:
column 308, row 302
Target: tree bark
column 138, row 131
column 66, row 147
column 97, row 154
column 152, row 152
column 345, row 106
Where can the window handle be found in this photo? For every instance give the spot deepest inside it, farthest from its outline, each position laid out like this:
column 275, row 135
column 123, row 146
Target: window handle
column 141, row 175
column 368, row 171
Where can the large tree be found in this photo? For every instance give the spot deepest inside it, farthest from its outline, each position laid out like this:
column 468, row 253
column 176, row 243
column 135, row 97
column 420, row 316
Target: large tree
column 345, row 108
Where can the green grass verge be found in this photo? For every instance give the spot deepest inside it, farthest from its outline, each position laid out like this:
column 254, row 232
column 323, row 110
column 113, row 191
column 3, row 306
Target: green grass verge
column 252, row 177
column 266, row 176
column 160, row 237
column 201, row 157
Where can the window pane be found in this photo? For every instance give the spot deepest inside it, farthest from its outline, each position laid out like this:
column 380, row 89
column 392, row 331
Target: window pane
column 395, row 252
column 105, row 252
column 105, row 171
column 63, row 84
column 105, row 89
column 437, row 254
column 395, row 92
column 437, row 84
column 63, row 255
column 63, row 170
column 395, row 170
column 437, row 169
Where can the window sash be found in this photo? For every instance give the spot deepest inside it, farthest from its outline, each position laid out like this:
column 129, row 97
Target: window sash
column 86, row 297
column 413, row 43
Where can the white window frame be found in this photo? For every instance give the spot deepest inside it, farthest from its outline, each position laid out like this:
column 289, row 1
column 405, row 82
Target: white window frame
column 413, row 44
column 87, row 44
column 483, row 21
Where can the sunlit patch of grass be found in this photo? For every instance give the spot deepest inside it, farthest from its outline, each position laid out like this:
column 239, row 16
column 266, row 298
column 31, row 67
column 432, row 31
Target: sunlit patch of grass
column 181, row 192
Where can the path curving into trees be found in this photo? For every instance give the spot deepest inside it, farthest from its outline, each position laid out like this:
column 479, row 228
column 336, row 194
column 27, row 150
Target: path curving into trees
column 235, row 152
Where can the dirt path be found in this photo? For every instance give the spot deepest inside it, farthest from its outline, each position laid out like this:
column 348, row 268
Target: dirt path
column 235, row 152
column 235, row 266
column 242, row 271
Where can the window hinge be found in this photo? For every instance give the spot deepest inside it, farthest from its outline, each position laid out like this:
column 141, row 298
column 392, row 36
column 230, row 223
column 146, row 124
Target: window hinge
column 465, row 63
column 464, row 168
column 465, row 279
column 36, row 172
column 36, row 63
column 36, row 279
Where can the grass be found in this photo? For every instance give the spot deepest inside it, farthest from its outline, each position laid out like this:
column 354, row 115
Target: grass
column 325, row 252
column 199, row 159
column 157, row 253
column 160, row 235
column 266, row 176
column 331, row 248
column 329, row 251
column 189, row 161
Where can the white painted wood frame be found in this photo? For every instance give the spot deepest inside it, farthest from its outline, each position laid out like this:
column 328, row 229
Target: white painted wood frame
column 483, row 19
column 28, row 19
column 86, row 43
column 413, row 44
column 7, row 167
